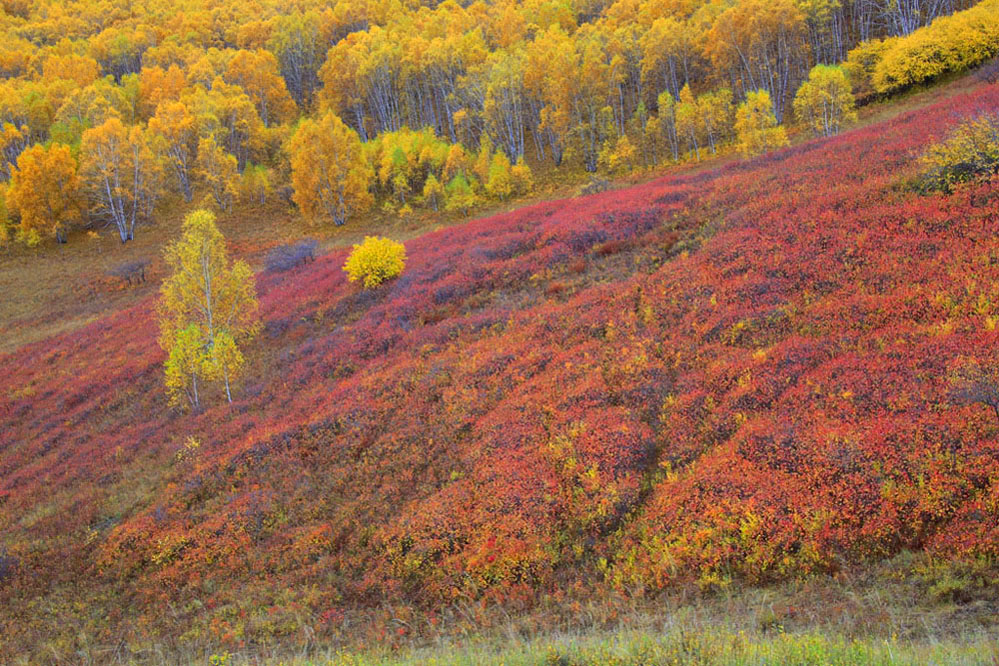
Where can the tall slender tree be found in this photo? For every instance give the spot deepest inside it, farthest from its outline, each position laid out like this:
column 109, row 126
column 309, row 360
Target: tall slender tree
column 208, row 307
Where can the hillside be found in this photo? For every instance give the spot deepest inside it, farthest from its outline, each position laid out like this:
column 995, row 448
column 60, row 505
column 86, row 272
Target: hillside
column 733, row 376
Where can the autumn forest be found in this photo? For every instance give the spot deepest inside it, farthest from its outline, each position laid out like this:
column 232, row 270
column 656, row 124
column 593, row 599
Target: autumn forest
column 527, row 331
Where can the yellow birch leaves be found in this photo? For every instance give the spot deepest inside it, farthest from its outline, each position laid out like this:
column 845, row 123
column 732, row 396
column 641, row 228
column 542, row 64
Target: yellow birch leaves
column 756, row 125
column 208, row 306
column 329, row 172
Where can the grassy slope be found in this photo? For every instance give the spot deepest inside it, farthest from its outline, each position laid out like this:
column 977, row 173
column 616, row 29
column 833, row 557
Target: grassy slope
column 679, row 322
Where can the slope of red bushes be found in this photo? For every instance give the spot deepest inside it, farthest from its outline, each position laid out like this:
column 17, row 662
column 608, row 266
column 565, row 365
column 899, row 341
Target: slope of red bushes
column 743, row 374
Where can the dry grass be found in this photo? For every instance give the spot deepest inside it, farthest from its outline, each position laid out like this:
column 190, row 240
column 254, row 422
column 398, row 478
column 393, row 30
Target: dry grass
column 881, row 614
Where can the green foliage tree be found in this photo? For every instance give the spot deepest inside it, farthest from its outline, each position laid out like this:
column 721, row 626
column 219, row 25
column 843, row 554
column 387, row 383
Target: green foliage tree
column 255, row 184
column 460, row 195
column 208, row 307
column 433, row 192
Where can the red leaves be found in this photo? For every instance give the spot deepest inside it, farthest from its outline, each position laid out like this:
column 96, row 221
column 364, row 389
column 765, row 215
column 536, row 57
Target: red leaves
column 557, row 393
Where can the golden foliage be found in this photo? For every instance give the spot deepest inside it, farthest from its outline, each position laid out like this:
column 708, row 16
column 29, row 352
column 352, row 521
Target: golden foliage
column 825, row 101
column 949, row 44
column 971, row 151
column 207, row 306
column 523, row 179
column 620, row 155
column 177, row 129
column 122, row 173
column 217, row 169
column 45, row 191
column 375, row 260
column 328, row 171
column 756, row 126
column 5, row 230
column 500, row 182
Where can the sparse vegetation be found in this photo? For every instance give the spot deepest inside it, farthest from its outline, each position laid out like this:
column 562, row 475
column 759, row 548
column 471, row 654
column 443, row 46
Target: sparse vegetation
column 132, row 272
column 989, row 72
column 286, row 257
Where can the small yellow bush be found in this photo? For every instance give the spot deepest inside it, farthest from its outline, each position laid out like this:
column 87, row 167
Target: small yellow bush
column 375, row 260
column 970, row 152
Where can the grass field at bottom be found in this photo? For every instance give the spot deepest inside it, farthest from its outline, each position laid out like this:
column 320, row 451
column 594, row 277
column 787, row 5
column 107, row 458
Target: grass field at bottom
column 676, row 646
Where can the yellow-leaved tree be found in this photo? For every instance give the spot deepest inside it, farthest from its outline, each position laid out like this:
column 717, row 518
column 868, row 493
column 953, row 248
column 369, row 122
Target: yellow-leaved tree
column 45, row 191
column 433, row 192
column 124, row 176
column 177, row 130
column 257, row 72
column 619, row 156
column 5, row 230
column 499, row 184
column 255, row 185
column 825, row 101
column 523, row 179
column 756, row 125
column 329, row 172
column 218, row 169
column 208, row 308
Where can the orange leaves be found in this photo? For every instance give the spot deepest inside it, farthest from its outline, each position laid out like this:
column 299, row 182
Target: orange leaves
column 45, row 190
column 177, row 128
column 158, row 85
column 81, row 70
column 258, row 74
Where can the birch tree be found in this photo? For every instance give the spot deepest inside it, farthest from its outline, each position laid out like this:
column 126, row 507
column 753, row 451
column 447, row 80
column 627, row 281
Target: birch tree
column 122, row 174
column 207, row 309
